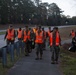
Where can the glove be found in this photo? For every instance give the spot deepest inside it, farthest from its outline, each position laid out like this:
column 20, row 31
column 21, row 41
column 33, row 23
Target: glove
column 22, row 40
column 32, row 43
column 12, row 39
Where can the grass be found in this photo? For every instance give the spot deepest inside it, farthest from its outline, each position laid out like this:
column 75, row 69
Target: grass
column 68, row 62
column 68, row 59
column 4, row 70
column 1, row 33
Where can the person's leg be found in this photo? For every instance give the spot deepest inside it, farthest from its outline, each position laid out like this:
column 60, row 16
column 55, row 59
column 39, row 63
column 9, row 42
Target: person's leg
column 8, row 42
column 37, row 51
column 12, row 41
column 52, row 54
column 26, row 49
column 44, row 45
column 57, row 50
column 41, row 50
column 30, row 46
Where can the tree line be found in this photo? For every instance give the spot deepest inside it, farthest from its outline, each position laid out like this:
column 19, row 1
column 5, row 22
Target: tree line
column 32, row 12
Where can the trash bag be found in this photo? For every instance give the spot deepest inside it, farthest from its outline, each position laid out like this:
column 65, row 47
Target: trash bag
column 72, row 49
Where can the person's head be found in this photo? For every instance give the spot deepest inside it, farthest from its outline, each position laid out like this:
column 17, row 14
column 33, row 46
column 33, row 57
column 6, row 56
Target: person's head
column 26, row 27
column 39, row 28
column 36, row 27
column 10, row 27
column 29, row 28
column 19, row 28
column 32, row 31
column 42, row 29
column 55, row 29
column 49, row 28
column 72, row 30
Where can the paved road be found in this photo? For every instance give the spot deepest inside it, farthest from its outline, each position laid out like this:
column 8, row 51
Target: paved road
column 30, row 66
column 2, row 42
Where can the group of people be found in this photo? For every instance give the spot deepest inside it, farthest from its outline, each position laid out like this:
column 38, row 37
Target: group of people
column 36, row 38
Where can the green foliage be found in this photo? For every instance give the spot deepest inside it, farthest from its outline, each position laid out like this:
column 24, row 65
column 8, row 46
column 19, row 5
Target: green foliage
column 32, row 12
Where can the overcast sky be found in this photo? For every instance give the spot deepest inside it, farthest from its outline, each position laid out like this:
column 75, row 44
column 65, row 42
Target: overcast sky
column 68, row 6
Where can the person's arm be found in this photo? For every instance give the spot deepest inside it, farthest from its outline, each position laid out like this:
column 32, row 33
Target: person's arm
column 70, row 34
column 22, row 34
column 17, row 33
column 34, row 36
column 14, row 34
column 60, row 39
column 5, row 35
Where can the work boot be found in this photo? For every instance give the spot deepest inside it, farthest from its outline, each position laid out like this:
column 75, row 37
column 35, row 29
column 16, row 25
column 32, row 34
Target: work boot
column 52, row 62
column 37, row 58
column 56, row 62
column 27, row 54
column 40, row 57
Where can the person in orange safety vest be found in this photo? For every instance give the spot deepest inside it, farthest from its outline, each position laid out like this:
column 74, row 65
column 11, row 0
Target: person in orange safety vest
column 10, row 35
column 26, row 39
column 39, row 43
column 72, row 33
column 55, row 41
column 19, row 34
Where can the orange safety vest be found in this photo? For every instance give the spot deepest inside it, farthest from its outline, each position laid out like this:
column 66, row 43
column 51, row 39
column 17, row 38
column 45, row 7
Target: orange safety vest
column 26, row 37
column 57, row 39
column 73, row 34
column 19, row 34
column 10, row 35
column 39, row 37
column 48, row 33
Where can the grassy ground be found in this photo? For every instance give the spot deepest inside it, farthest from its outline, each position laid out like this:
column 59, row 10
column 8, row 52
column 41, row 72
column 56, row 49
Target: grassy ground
column 67, row 59
column 68, row 62
column 4, row 70
column 1, row 33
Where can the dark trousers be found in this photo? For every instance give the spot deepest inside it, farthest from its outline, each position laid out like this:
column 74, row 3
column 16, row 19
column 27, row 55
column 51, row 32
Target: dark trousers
column 39, row 49
column 27, row 47
column 55, row 53
column 10, row 42
column 20, row 42
column 44, row 45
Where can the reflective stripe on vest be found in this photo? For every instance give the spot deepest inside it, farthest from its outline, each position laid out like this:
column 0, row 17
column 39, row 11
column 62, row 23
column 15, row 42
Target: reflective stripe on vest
column 57, row 39
column 19, row 34
column 39, row 37
column 10, row 35
column 26, row 37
